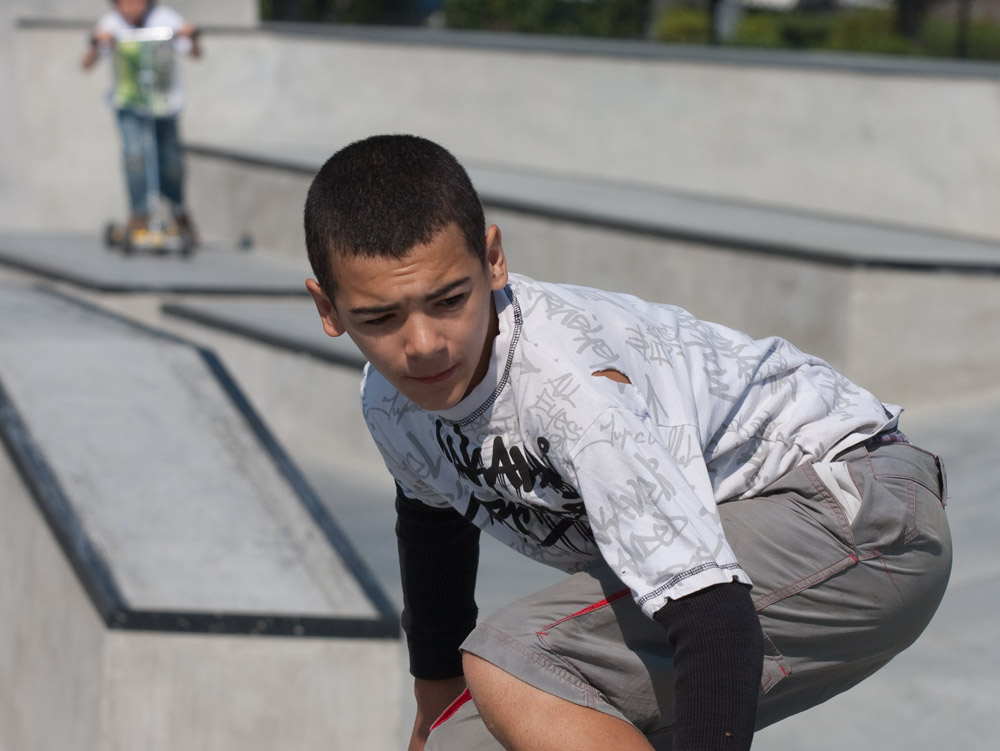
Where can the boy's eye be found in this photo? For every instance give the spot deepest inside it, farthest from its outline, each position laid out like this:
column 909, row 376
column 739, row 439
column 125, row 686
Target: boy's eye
column 451, row 302
column 378, row 321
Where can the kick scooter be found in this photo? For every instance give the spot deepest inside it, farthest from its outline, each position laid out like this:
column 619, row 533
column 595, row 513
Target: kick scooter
column 144, row 70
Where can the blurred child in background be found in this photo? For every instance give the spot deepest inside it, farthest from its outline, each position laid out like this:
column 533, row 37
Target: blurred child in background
column 126, row 17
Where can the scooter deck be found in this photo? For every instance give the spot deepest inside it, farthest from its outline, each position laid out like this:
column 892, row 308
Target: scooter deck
column 170, row 239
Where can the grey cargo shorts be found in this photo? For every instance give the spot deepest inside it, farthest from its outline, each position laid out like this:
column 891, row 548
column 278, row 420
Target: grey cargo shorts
column 844, row 579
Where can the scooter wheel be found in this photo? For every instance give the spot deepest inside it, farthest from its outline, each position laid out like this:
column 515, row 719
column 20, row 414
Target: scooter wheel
column 113, row 234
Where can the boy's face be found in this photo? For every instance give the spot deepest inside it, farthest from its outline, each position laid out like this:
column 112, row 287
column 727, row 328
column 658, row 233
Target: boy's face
column 132, row 10
column 426, row 322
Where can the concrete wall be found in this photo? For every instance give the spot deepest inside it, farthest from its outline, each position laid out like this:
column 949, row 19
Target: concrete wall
column 892, row 147
column 175, row 692
column 51, row 638
column 218, row 12
column 894, row 141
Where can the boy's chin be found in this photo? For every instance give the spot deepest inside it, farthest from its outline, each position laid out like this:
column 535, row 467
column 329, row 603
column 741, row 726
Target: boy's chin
column 433, row 401
column 435, row 405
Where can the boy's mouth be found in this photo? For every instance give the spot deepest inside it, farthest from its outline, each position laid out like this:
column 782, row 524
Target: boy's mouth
column 438, row 377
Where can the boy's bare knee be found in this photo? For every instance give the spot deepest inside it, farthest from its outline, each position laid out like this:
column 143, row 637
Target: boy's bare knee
column 523, row 717
column 490, row 688
column 481, row 676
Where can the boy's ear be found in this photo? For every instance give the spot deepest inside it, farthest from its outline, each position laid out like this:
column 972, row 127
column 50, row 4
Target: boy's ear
column 496, row 261
column 324, row 306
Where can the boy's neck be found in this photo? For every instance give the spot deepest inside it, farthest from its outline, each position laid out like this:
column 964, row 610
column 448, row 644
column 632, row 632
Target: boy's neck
column 491, row 334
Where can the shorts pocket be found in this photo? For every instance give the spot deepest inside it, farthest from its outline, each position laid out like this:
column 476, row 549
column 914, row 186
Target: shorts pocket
column 775, row 666
column 895, row 482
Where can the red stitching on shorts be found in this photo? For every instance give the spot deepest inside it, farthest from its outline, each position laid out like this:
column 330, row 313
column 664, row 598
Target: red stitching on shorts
column 596, row 606
column 452, row 708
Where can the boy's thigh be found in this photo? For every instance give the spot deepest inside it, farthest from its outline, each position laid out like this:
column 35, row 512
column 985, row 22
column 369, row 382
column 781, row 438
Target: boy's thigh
column 583, row 640
column 168, row 138
column 842, row 587
column 130, row 127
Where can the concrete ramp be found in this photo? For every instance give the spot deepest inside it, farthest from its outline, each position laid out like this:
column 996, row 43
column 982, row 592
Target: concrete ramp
column 189, row 536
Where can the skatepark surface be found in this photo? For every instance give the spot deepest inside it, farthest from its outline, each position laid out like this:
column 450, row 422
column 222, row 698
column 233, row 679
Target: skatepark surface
column 84, row 261
column 938, row 694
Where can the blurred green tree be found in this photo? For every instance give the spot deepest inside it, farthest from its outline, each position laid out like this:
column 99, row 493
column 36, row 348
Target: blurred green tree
column 910, row 17
column 345, row 11
column 606, row 18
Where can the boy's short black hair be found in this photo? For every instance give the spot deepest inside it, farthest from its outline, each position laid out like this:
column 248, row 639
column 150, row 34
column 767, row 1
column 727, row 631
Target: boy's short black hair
column 384, row 195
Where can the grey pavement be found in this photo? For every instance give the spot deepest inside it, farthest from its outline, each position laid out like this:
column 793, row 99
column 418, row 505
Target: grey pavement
column 83, row 260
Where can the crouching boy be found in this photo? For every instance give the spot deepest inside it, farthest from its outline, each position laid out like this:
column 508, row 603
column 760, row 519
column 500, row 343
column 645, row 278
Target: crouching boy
column 747, row 532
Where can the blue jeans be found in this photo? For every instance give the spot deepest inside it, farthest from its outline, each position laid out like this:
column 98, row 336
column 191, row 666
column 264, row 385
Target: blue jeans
column 170, row 159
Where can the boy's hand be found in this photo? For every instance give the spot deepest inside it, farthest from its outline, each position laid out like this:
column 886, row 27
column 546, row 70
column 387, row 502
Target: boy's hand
column 433, row 698
column 191, row 32
column 98, row 40
column 89, row 59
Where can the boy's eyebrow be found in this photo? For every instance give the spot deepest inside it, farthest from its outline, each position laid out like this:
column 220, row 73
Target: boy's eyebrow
column 380, row 309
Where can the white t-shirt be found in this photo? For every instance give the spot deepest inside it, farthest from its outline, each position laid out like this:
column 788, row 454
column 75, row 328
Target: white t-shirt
column 564, row 466
column 159, row 17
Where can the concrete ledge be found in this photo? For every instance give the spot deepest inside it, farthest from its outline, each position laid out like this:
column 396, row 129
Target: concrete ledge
column 84, row 261
column 291, row 325
column 677, row 216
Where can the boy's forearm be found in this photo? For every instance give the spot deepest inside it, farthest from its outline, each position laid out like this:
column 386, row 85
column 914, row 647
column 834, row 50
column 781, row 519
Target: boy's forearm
column 438, row 560
column 718, row 658
column 89, row 58
column 97, row 41
column 194, row 34
column 433, row 698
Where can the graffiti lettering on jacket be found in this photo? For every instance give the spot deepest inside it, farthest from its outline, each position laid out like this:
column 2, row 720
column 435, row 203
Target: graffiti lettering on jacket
column 515, row 471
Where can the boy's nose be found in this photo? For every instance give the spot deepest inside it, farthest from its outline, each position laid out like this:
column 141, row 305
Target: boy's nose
column 423, row 339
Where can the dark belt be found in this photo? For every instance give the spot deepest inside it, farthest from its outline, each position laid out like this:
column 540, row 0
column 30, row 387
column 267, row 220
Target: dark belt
column 892, row 435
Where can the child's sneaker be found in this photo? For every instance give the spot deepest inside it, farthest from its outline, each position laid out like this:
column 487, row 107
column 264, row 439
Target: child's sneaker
column 138, row 222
